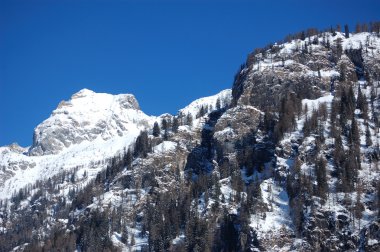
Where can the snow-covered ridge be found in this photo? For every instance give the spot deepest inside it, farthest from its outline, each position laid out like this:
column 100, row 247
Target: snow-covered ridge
column 354, row 41
column 193, row 108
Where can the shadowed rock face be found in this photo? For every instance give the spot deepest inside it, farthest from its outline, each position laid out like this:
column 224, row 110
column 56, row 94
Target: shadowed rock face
column 86, row 116
column 242, row 119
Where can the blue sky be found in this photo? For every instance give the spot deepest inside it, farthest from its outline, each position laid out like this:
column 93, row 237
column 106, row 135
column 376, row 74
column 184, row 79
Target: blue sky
column 167, row 53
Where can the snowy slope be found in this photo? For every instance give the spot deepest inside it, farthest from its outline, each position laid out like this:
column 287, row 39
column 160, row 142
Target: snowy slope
column 208, row 103
column 278, row 215
column 87, row 156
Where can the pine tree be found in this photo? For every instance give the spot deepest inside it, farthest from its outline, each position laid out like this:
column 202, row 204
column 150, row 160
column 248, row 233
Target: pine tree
column 124, row 234
column 354, row 137
column 305, row 109
column 364, row 28
column 368, row 140
column 133, row 241
column 339, row 155
column 156, row 129
column 347, row 104
column 339, row 48
column 293, row 181
column 320, row 170
column 216, row 189
column 164, row 124
column 338, row 29
column 303, row 36
column 296, row 206
column 189, row 120
column 201, row 112
column 358, row 28
column 228, row 233
column 175, row 125
column 359, row 101
column 342, row 72
column 218, row 104
column 165, row 128
column 289, row 107
column 362, row 104
column 142, row 146
column 350, row 171
column 359, row 207
column 346, row 32
column 128, row 157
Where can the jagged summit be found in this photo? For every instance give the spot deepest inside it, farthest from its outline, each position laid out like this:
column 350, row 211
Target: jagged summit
column 82, row 92
column 86, row 116
column 127, row 100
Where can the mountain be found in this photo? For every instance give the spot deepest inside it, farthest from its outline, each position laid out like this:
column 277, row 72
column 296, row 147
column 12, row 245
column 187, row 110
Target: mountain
column 286, row 160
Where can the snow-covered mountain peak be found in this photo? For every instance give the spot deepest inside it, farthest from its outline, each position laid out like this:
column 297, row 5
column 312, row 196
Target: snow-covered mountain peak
column 82, row 93
column 87, row 116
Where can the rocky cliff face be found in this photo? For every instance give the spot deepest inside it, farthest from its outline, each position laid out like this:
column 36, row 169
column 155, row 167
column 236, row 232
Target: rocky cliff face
column 307, row 67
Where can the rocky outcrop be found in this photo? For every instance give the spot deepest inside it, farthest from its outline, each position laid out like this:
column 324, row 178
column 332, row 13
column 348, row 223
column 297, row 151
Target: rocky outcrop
column 235, row 124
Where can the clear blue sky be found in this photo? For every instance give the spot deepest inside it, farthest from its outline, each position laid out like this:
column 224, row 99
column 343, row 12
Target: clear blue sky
column 167, row 53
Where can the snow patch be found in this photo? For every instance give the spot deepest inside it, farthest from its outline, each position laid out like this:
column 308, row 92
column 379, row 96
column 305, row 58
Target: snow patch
column 278, row 215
